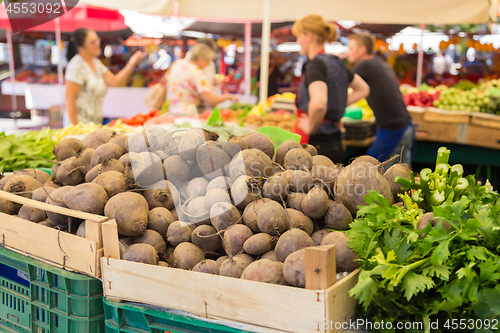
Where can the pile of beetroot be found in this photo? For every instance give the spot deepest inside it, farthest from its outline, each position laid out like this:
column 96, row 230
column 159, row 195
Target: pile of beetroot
column 186, row 200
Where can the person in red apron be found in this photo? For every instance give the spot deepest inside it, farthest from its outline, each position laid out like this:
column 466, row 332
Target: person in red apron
column 322, row 96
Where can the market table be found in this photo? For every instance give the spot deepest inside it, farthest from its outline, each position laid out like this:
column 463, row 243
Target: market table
column 119, row 101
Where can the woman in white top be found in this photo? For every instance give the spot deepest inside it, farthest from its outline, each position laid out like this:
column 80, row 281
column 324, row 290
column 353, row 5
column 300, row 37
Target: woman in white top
column 87, row 78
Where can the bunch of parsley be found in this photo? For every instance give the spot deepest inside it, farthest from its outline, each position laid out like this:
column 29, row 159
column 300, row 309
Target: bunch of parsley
column 411, row 275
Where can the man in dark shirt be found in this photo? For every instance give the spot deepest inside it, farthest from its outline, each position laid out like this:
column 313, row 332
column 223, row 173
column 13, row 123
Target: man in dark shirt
column 395, row 129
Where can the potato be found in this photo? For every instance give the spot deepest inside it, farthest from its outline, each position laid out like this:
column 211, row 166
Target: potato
column 315, row 203
column 345, row 256
column 84, row 160
column 294, row 200
column 87, row 197
column 284, row 148
column 206, row 238
column 106, row 152
column 159, row 219
column 56, row 198
column 162, row 194
column 207, row 266
column 250, row 214
column 39, row 175
column 294, row 269
column 265, row 270
column 223, row 215
column 401, row 170
column 67, row 148
column 69, row 173
column 41, row 194
column 221, row 182
column 190, row 141
column 366, row 158
column 142, row 140
column 355, row 180
column 98, row 137
column 187, row 255
column 259, row 244
column 272, row 218
column 291, row 241
column 298, row 159
column 197, row 187
column 338, row 217
column 130, row 210
column 235, row 237
column 299, row 180
column 262, row 142
column 147, row 168
column 111, row 165
column 327, row 175
column 246, row 258
column 5, row 178
column 245, row 190
column 230, row 148
column 300, row 221
column 233, row 267
column 276, row 188
column 310, row 149
column 121, row 140
column 176, row 169
column 322, row 160
column 212, row 161
column 221, row 259
column 240, row 142
column 196, row 210
column 178, row 232
column 271, row 255
column 143, row 253
column 32, row 214
column 319, row 235
column 113, row 182
column 154, row 239
column 216, row 195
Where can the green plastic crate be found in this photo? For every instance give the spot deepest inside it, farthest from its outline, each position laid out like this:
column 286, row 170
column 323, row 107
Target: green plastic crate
column 39, row 298
column 131, row 318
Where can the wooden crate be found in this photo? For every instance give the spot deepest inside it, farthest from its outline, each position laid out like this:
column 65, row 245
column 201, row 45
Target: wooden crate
column 485, row 120
column 446, row 116
column 275, row 307
column 483, row 137
column 50, row 245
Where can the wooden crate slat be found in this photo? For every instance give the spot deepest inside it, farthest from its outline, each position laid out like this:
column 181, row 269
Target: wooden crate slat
column 212, row 295
column 52, row 245
column 52, row 208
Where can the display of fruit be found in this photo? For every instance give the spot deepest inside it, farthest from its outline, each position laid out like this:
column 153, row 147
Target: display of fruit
column 284, row 120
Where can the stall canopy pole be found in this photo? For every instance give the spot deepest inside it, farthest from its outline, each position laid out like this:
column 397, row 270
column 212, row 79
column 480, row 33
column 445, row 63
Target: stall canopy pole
column 12, row 72
column 420, row 56
column 264, row 63
column 248, row 59
column 60, row 65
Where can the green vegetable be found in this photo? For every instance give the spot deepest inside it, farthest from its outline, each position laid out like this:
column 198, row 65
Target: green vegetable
column 21, row 151
column 443, row 274
column 215, row 118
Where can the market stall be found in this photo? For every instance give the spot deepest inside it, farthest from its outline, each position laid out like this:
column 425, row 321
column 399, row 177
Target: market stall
column 225, row 222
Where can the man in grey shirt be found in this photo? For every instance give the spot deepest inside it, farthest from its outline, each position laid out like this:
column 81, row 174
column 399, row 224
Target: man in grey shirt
column 394, row 126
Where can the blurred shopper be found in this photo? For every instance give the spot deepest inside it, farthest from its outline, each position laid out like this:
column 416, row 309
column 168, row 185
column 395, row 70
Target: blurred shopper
column 87, row 78
column 323, row 95
column 187, row 83
column 394, row 125
column 275, row 77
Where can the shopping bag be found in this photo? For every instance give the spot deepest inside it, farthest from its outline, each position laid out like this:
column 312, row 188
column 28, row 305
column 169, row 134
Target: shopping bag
column 156, row 97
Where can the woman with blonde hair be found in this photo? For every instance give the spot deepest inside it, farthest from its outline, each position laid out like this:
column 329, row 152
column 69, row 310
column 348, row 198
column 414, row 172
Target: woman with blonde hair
column 187, row 83
column 323, row 94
